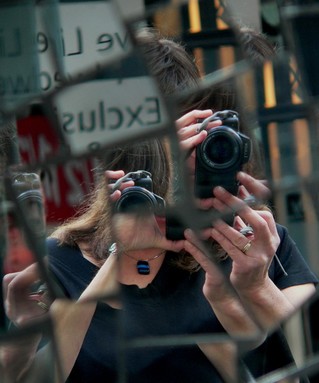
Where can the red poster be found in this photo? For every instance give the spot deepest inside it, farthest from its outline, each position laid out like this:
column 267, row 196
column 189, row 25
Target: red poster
column 64, row 185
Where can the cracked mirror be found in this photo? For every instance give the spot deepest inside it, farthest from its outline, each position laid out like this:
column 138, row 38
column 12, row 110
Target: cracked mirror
column 49, row 43
column 158, row 192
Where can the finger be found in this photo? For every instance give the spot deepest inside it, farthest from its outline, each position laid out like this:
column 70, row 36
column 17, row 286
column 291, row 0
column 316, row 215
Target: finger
column 264, row 229
column 188, row 131
column 192, row 138
column 6, row 280
column 174, row 246
column 227, row 213
column 234, row 236
column 194, row 247
column 114, row 174
column 192, row 142
column 243, row 192
column 191, row 117
column 255, row 187
column 123, row 186
column 22, row 281
column 271, row 223
column 238, row 223
column 228, row 200
column 194, row 129
column 19, row 287
column 115, row 196
column 205, row 204
column 230, row 248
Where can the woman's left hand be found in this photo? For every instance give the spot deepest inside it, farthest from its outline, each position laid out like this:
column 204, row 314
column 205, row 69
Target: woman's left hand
column 251, row 255
column 225, row 303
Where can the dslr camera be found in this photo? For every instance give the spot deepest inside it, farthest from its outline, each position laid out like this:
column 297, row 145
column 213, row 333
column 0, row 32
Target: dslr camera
column 218, row 159
column 221, row 155
column 27, row 190
column 140, row 197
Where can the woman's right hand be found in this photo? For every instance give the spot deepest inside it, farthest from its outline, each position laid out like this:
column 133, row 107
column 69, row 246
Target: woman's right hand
column 190, row 135
column 111, row 177
column 21, row 305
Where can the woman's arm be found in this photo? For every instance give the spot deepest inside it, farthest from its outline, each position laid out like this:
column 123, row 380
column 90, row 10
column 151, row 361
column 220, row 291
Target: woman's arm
column 71, row 321
column 249, row 274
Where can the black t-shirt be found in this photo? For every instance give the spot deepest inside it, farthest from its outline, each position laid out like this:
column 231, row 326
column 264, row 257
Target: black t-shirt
column 172, row 305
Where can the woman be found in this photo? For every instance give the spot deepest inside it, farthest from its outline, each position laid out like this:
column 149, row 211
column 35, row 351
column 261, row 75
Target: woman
column 164, row 301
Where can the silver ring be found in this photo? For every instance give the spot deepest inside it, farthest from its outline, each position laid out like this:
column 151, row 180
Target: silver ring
column 247, row 230
column 246, row 247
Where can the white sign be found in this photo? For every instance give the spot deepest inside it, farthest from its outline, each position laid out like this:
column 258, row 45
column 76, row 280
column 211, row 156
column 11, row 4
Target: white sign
column 96, row 113
column 18, row 58
column 42, row 46
column 86, row 35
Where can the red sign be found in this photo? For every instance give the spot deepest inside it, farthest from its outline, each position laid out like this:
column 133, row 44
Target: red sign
column 64, row 185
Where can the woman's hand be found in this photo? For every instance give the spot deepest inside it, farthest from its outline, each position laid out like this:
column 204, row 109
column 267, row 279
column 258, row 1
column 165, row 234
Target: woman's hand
column 251, row 190
column 111, row 177
column 21, row 305
column 188, row 130
column 215, row 288
column 225, row 303
column 251, row 256
column 251, row 252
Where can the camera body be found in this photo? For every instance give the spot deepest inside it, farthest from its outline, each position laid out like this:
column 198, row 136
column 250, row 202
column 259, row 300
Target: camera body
column 221, row 155
column 27, row 190
column 218, row 159
column 140, row 197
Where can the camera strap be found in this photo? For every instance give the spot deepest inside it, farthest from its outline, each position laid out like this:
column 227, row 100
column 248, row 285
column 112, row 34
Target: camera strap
column 130, row 176
column 222, row 115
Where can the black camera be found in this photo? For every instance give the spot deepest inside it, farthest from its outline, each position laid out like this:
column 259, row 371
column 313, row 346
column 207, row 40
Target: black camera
column 218, row 159
column 27, row 189
column 140, row 197
column 221, row 155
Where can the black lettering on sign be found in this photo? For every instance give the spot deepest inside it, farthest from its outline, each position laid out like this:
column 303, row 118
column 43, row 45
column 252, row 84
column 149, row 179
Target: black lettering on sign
column 112, row 117
column 134, row 115
column 74, row 45
column 19, row 84
column 42, row 42
column 154, row 110
column 117, row 118
column 107, row 41
column 45, row 81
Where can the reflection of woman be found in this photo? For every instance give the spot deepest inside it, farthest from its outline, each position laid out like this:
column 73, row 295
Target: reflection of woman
column 169, row 299
column 177, row 297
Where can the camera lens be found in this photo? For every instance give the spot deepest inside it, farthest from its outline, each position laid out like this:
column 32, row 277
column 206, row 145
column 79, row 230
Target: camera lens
column 220, row 150
column 135, row 199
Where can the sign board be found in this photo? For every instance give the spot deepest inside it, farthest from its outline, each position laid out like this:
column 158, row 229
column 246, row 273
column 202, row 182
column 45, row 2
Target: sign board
column 18, row 58
column 64, row 186
column 41, row 46
column 86, row 35
column 95, row 113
